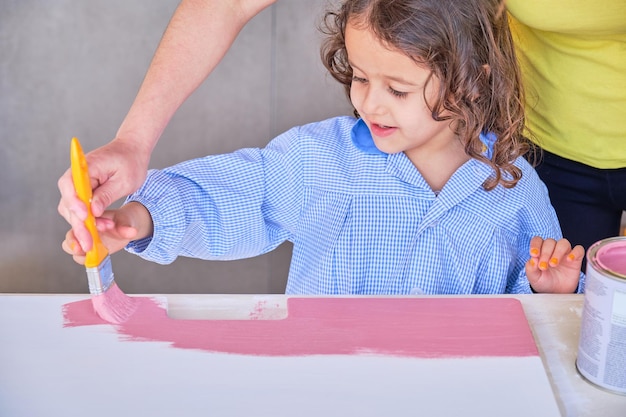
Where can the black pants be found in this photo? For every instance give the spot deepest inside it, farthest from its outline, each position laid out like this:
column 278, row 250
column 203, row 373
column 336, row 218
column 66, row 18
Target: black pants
column 588, row 201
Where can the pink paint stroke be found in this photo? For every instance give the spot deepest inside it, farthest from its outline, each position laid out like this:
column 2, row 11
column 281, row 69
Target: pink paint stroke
column 406, row 327
column 113, row 305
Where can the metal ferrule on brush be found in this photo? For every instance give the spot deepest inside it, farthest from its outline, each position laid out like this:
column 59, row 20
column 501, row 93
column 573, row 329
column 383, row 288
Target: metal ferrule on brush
column 100, row 277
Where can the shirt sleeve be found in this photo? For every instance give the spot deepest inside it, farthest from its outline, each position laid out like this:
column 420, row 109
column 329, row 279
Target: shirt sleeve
column 223, row 207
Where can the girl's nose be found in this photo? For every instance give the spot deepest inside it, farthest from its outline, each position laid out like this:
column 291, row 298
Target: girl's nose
column 372, row 103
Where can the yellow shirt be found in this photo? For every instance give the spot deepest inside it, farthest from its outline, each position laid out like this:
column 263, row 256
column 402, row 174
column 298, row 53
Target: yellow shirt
column 573, row 59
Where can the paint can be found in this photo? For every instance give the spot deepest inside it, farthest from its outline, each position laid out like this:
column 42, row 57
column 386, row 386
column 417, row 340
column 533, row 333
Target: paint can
column 601, row 356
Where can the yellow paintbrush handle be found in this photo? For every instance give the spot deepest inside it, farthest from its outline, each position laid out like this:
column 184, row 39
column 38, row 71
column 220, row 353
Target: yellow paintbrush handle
column 80, row 176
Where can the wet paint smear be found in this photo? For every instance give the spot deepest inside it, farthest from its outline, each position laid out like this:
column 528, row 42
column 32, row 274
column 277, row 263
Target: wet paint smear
column 405, row 327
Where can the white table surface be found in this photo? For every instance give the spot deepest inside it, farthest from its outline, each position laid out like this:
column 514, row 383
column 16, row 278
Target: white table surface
column 554, row 321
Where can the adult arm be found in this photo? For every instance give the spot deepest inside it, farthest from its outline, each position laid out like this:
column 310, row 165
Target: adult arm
column 197, row 37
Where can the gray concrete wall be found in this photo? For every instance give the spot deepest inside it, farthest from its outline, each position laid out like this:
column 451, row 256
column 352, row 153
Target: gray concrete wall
column 72, row 68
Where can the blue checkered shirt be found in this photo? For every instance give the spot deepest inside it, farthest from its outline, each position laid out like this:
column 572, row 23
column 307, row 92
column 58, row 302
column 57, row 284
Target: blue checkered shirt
column 361, row 221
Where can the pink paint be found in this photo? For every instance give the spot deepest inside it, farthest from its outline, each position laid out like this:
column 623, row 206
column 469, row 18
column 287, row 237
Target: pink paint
column 409, row 327
column 612, row 257
column 258, row 310
column 113, row 305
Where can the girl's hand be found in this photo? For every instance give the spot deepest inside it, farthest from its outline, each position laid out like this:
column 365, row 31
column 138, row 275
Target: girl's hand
column 554, row 267
column 116, row 229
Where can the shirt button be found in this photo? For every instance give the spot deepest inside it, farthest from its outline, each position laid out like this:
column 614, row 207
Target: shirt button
column 417, row 291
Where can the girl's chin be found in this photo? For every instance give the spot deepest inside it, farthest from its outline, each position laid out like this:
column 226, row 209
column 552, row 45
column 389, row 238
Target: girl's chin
column 385, row 147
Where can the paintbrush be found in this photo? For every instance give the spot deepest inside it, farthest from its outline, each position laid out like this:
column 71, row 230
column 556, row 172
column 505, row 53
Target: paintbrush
column 109, row 302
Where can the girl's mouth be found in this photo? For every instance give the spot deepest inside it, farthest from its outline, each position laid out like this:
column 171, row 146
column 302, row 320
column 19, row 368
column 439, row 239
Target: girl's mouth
column 381, row 130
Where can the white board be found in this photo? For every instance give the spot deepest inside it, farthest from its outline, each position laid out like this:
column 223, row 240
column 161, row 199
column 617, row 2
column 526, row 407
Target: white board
column 47, row 369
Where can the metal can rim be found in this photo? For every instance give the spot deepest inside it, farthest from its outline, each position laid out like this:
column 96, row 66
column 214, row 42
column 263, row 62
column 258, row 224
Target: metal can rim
column 593, row 261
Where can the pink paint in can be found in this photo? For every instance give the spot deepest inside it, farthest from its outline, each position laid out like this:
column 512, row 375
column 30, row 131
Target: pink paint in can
column 602, row 346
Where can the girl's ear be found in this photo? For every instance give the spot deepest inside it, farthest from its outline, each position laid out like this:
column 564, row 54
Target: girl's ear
column 487, row 70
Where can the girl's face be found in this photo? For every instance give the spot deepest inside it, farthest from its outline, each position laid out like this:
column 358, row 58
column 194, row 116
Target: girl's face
column 389, row 90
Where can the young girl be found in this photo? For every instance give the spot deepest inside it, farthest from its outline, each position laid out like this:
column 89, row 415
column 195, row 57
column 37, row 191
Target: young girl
column 424, row 192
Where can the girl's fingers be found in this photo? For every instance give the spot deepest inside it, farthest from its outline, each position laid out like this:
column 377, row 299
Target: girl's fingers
column 531, row 270
column 562, row 248
column 535, row 246
column 547, row 249
column 70, row 245
column 127, row 232
column 576, row 254
column 533, row 274
column 104, row 224
column 67, row 247
column 79, row 259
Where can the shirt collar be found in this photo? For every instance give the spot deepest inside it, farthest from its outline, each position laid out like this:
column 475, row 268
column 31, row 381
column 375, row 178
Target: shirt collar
column 466, row 180
column 362, row 140
column 488, row 139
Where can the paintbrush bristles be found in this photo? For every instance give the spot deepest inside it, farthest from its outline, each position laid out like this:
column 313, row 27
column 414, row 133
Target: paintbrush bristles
column 113, row 305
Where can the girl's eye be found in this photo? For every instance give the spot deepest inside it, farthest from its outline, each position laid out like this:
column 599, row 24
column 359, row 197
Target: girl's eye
column 397, row 93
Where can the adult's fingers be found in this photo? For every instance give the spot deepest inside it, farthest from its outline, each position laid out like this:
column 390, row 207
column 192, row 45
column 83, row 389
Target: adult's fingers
column 81, row 234
column 69, row 202
column 106, row 194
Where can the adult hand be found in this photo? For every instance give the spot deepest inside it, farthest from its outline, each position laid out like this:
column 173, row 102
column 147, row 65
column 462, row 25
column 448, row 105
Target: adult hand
column 115, row 170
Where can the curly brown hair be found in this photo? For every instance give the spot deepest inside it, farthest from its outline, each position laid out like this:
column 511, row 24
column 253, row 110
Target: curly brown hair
column 468, row 46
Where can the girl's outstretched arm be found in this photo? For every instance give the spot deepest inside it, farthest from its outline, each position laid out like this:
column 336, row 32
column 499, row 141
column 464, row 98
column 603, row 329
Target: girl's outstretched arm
column 554, row 266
